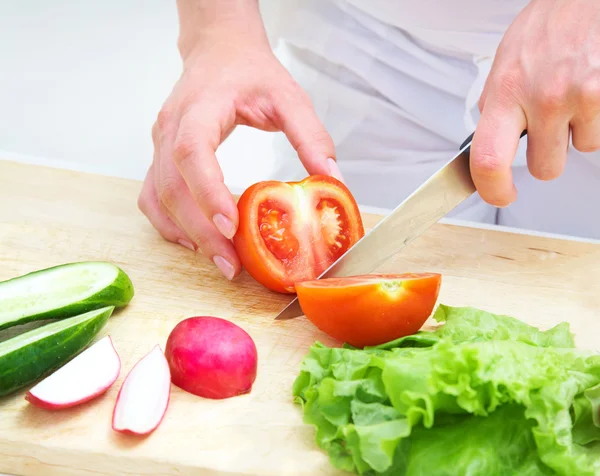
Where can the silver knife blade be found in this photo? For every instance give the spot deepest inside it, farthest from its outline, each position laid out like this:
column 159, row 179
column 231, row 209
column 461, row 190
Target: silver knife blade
column 440, row 194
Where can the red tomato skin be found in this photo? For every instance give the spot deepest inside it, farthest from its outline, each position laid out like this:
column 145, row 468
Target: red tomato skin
column 254, row 255
column 367, row 314
column 248, row 253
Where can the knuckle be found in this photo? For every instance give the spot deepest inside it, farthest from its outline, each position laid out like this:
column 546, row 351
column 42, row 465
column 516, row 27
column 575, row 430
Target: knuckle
column 321, row 136
column 169, row 192
column 205, row 194
column 589, row 93
column 486, row 163
column 553, row 94
column 185, row 148
column 318, row 140
column 550, row 99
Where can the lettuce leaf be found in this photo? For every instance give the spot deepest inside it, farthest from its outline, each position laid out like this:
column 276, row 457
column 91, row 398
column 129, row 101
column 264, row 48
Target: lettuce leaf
column 464, row 324
column 483, row 394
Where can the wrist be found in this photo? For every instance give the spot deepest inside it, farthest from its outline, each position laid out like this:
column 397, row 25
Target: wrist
column 206, row 23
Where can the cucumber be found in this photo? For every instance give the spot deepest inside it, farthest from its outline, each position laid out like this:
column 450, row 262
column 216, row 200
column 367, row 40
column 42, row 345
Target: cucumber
column 37, row 353
column 63, row 291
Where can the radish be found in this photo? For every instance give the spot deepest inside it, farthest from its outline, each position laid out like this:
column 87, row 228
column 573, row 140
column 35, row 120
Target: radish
column 211, row 357
column 144, row 396
column 85, row 377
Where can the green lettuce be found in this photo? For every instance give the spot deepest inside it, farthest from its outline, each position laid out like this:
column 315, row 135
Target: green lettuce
column 483, row 394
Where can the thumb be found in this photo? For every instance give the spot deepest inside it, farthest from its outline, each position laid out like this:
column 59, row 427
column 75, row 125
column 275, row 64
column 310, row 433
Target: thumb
column 493, row 150
column 306, row 133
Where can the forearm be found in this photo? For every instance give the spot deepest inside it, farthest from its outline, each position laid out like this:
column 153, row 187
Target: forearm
column 203, row 21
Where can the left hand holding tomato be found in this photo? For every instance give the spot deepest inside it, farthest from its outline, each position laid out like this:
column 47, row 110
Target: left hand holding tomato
column 546, row 79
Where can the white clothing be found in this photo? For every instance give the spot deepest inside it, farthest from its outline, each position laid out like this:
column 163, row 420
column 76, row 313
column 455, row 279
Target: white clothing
column 397, row 88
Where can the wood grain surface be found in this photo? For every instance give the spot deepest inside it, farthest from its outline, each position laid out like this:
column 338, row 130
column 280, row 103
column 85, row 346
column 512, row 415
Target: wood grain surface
column 50, row 216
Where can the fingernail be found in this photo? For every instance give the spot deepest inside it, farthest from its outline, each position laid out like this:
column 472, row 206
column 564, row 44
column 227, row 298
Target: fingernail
column 224, row 225
column 224, row 266
column 188, row 244
column 335, row 170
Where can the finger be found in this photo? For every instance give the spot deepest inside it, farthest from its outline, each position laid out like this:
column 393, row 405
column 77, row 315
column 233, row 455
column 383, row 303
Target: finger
column 494, row 147
column 176, row 197
column 163, row 129
column 149, row 206
column 196, row 142
column 547, row 145
column 586, row 134
column 163, row 134
column 298, row 120
column 586, row 123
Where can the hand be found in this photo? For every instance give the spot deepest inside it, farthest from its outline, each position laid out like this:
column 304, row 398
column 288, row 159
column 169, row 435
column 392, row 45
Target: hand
column 545, row 78
column 230, row 77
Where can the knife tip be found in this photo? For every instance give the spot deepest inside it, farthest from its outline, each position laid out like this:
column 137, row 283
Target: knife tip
column 290, row 311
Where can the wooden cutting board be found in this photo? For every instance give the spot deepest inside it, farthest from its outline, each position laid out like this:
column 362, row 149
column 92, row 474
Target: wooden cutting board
column 50, row 216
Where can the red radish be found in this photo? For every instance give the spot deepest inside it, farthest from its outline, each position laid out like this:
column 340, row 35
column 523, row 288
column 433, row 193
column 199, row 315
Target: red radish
column 144, row 395
column 211, row 357
column 80, row 380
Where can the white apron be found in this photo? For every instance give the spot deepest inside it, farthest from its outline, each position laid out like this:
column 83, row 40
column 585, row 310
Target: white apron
column 396, row 84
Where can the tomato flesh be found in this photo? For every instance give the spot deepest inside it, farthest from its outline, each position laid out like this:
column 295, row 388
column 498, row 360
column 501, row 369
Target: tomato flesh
column 274, row 229
column 293, row 231
column 335, row 226
column 370, row 309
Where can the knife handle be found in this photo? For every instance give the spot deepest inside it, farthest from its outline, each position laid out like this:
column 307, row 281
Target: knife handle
column 469, row 139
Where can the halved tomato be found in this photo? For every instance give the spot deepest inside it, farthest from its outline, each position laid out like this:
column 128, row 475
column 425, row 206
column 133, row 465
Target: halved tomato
column 370, row 309
column 293, row 231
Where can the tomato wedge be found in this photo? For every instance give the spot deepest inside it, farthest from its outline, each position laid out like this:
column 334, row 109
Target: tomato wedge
column 293, row 231
column 370, row 309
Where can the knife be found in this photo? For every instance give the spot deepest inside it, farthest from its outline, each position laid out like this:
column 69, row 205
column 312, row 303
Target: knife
column 440, row 194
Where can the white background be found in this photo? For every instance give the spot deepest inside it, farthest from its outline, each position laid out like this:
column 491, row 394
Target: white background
column 81, row 83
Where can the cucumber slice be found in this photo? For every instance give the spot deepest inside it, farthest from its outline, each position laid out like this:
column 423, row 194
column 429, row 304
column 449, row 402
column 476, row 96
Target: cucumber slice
column 35, row 354
column 63, row 291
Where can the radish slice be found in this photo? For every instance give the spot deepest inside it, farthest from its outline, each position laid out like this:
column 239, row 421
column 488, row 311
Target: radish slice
column 85, row 377
column 144, row 395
